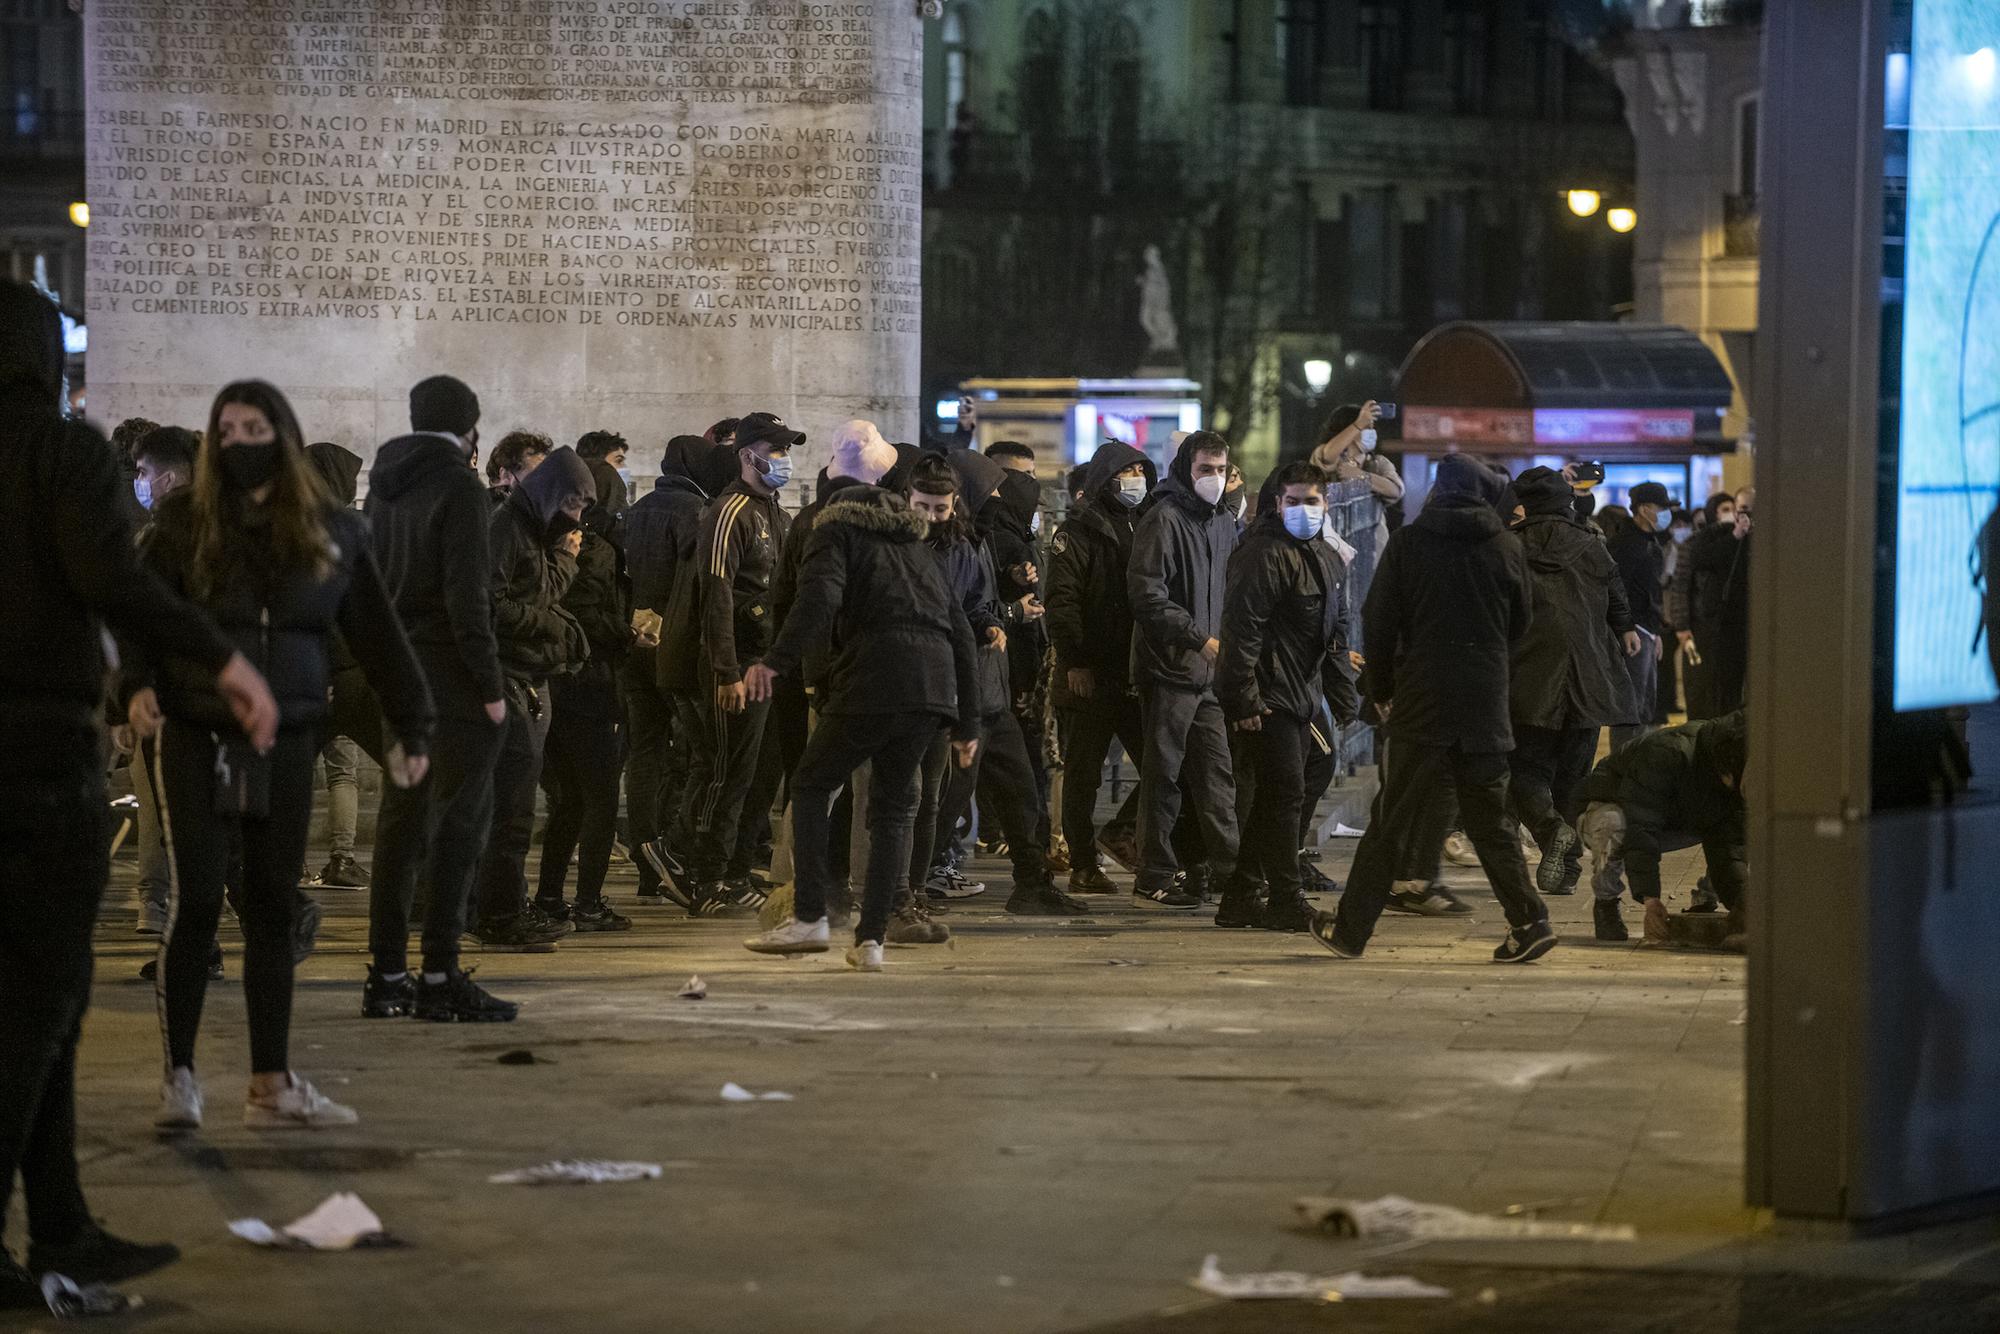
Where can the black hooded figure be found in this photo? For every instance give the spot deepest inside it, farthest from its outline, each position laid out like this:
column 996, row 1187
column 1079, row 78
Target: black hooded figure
column 72, row 569
column 1176, row 586
column 659, row 532
column 1450, row 599
column 1090, row 624
column 355, row 719
column 1014, row 512
column 1568, row 678
column 532, row 569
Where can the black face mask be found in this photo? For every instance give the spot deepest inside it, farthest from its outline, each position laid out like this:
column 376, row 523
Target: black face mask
column 561, row 525
column 247, row 467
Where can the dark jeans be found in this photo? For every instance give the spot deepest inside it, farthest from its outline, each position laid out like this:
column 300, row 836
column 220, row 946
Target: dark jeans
column 1406, row 810
column 1087, row 738
column 202, row 842
column 1272, row 763
column 1187, row 746
column 653, row 776
column 55, row 837
column 722, row 764
column 1005, row 783
column 503, row 872
column 1321, row 738
column 1546, row 773
column 893, row 745
column 439, row 827
column 580, row 766
column 1031, row 736
column 934, row 775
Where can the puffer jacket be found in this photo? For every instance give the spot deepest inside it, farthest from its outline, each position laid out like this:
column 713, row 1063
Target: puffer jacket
column 1089, row 619
column 1176, row 582
column 792, row 558
column 537, row 636
column 871, row 590
column 1284, row 621
column 283, row 621
column 1568, row 671
column 1674, row 781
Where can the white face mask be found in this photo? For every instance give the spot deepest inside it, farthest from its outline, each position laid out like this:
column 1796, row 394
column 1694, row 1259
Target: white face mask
column 1210, row 488
column 1131, row 490
column 1035, row 525
column 1368, row 440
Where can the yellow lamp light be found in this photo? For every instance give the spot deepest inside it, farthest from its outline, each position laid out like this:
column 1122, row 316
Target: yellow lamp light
column 79, row 213
column 1583, row 203
column 1621, row 219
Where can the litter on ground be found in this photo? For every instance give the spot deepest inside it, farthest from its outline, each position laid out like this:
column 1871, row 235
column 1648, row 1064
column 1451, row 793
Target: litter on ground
column 340, row 1223
column 1285, row 1284
column 577, row 1172
column 734, row 1092
column 1394, row 1216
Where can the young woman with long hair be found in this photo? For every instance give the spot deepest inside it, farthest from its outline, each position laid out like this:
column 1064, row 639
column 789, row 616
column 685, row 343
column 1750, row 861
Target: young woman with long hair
column 257, row 543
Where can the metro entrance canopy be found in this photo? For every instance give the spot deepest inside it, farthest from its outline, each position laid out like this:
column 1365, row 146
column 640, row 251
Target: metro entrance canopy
column 1610, row 391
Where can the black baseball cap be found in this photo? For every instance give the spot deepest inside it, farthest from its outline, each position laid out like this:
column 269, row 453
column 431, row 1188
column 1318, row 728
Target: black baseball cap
column 767, row 428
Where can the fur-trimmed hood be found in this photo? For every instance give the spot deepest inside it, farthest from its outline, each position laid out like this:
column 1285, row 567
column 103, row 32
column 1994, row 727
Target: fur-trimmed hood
column 873, row 510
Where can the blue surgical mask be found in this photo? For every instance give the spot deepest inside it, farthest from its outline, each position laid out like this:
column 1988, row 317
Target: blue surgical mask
column 143, row 489
column 1304, row 521
column 1368, row 438
column 625, row 476
column 777, row 472
column 1663, row 520
column 1131, row 490
column 1682, row 534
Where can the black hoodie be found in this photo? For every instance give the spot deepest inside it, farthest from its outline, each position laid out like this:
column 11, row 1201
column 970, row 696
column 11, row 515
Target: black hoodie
column 1568, row 671
column 338, row 468
column 537, row 636
column 1011, row 540
column 660, row 526
column 1177, row 579
column 871, row 593
column 428, row 517
column 65, row 541
column 1450, row 598
column 1089, row 619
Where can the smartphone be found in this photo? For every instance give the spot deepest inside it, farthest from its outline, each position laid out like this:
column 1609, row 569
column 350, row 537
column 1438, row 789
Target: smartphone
column 1592, row 473
column 1385, row 411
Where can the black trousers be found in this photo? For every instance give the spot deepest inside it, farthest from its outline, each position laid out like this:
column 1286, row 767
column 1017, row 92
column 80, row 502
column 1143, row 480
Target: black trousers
column 1004, row 780
column 438, row 828
column 1031, row 735
column 652, row 776
column 723, row 752
column 1187, row 746
column 503, row 871
column 1406, row 808
column 893, row 746
column 1087, row 737
column 1272, row 760
column 580, row 766
column 753, row 830
column 1546, row 773
column 55, row 838
column 1321, row 738
column 201, row 843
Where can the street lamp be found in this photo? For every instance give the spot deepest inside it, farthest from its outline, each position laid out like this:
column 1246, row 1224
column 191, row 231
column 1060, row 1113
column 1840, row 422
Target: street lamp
column 79, row 213
column 1583, row 203
column 1319, row 374
column 1621, row 219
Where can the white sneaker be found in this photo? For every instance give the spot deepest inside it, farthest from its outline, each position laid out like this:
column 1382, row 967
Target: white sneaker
column 1458, row 850
column 947, row 882
column 297, row 1106
column 791, row 937
column 180, row 1101
column 866, row 957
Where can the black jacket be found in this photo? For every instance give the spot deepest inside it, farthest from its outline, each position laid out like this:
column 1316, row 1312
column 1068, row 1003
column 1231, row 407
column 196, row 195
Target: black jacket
column 600, row 596
column 1672, row 780
column 1010, row 539
column 1175, row 584
column 65, row 542
column 792, row 559
column 1450, row 598
column 1089, row 620
column 1284, row 622
column 659, row 529
column 722, row 621
column 871, row 592
column 1569, row 669
column 428, row 518
column 538, row 636
column 283, row 622
column 1642, row 565
column 968, row 573
column 1718, row 581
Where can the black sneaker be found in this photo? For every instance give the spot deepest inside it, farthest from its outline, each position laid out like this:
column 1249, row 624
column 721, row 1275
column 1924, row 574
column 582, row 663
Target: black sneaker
column 1240, row 906
column 460, row 1000
column 1549, row 876
column 1312, row 880
column 542, row 915
column 343, row 872
column 744, row 889
column 1611, row 921
column 1173, row 894
column 1121, row 846
column 149, row 971
column 305, row 926
column 1090, row 880
column 714, row 899
column 518, row 935
column 673, row 873
column 1285, row 913
column 18, row 1289
column 1044, row 900
column 598, row 916
column 555, row 911
column 1326, row 930
column 1525, row 944
column 95, row 1256
column 383, row 999
column 1431, row 901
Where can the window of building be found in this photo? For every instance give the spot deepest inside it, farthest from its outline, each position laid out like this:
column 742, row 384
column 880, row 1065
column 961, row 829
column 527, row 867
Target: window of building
column 956, row 61
column 1468, row 39
column 1301, row 34
column 1451, row 278
column 1748, row 112
column 1124, row 67
column 1373, row 265
column 1383, row 54
column 1041, row 85
column 20, row 78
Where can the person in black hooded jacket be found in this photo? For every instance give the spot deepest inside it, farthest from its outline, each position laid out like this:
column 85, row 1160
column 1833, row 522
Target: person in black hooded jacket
column 1451, row 597
column 355, row 710
column 1014, row 520
column 72, row 569
column 535, row 538
column 256, row 541
column 1568, row 679
column 659, row 532
column 1090, row 624
column 428, row 517
column 1175, row 586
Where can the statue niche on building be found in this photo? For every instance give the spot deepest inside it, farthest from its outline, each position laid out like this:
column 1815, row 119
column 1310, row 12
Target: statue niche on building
column 1156, row 317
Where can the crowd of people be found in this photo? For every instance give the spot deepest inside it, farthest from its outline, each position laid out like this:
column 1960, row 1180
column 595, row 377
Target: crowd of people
column 807, row 714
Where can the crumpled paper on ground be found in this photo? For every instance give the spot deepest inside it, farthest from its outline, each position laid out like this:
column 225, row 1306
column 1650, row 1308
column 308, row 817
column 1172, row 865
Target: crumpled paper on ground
column 1353, row 1286
column 69, row 1301
column 734, row 1092
column 577, row 1172
column 696, row 989
column 1394, row 1216
column 340, row 1223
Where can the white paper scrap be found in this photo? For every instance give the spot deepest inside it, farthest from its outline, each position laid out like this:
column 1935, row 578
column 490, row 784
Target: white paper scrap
column 1394, row 1216
column 577, row 1172
column 734, row 1092
column 338, row 1224
column 1352, row 1286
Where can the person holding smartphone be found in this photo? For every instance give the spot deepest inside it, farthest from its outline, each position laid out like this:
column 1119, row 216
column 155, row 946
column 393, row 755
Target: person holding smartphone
column 1346, row 453
column 256, row 543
